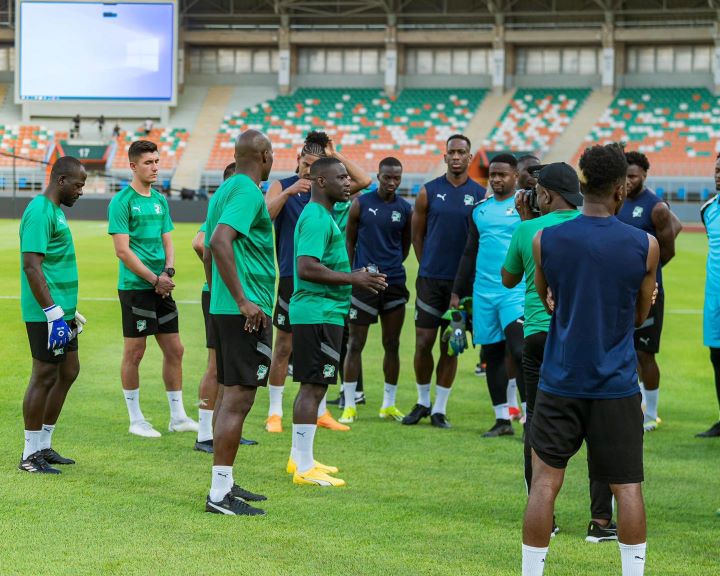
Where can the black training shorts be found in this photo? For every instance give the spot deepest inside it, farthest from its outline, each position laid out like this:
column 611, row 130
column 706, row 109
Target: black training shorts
column 145, row 313
column 210, row 339
column 432, row 300
column 38, row 336
column 243, row 358
column 281, row 314
column 612, row 428
column 316, row 353
column 366, row 307
column 647, row 336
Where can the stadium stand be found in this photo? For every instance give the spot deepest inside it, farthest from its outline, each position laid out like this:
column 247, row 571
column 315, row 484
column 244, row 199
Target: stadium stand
column 29, row 141
column 677, row 128
column 362, row 122
column 535, row 118
column 171, row 143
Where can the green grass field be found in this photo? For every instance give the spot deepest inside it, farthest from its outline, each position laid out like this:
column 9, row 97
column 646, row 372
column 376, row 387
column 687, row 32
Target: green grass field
column 418, row 501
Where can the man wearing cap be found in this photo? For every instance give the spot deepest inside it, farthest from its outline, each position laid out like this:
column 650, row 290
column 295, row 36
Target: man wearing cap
column 558, row 196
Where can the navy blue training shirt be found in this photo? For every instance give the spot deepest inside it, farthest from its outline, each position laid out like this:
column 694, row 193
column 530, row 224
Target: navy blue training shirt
column 447, row 225
column 638, row 212
column 285, row 227
column 379, row 235
column 595, row 267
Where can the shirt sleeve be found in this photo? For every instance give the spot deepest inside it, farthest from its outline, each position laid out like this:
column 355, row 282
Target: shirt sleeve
column 118, row 218
column 167, row 225
column 513, row 258
column 240, row 211
column 313, row 237
column 203, row 228
column 36, row 231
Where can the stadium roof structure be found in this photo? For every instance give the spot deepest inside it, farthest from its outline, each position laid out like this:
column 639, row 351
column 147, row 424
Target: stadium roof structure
column 520, row 14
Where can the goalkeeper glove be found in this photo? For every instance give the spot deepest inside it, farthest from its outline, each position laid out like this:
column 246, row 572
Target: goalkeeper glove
column 454, row 334
column 79, row 324
column 59, row 333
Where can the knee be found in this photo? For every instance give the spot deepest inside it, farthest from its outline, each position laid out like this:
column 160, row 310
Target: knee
column 494, row 353
column 283, row 348
column 424, row 343
column 134, row 354
column 355, row 345
column 70, row 375
column 175, row 352
column 43, row 376
column 715, row 357
column 391, row 346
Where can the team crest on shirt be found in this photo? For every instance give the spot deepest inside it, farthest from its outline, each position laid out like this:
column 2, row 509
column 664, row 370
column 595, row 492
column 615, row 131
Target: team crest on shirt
column 637, row 212
column 395, row 216
column 158, row 209
column 469, row 200
column 141, row 325
column 328, row 371
column 262, row 371
column 281, row 319
column 510, row 211
column 353, row 314
column 61, row 220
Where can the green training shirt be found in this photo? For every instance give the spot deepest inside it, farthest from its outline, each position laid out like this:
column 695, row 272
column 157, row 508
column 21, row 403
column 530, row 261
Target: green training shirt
column 145, row 219
column 203, row 229
column 341, row 211
column 239, row 203
column 318, row 235
column 519, row 260
column 44, row 229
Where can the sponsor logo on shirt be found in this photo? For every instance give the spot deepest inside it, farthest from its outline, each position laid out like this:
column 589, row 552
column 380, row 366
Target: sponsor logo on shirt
column 158, row 209
column 373, row 210
column 138, row 209
column 262, row 371
column 510, row 211
column 469, row 200
column 637, row 212
column 441, row 196
column 328, row 371
column 61, row 220
column 395, row 216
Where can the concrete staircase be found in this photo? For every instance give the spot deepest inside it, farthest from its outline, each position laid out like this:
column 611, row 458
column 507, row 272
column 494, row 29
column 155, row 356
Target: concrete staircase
column 569, row 141
column 202, row 137
column 483, row 122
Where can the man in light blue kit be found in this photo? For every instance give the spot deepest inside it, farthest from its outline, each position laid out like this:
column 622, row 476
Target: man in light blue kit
column 710, row 214
column 497, row 311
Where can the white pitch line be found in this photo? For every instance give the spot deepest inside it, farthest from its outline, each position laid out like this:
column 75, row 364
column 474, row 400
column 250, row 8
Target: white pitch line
column 685, row 311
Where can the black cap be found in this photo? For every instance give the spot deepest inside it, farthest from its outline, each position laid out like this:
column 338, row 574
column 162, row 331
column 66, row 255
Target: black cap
column 561, row 178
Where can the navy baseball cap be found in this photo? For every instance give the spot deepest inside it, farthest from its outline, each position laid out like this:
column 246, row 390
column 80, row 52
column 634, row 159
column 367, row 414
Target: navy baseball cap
column 561, row 178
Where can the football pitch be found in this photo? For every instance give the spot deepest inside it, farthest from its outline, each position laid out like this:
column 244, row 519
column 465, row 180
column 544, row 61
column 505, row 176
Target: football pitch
column 419, row 500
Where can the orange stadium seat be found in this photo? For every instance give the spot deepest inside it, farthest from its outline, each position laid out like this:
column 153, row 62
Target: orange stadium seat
column 363, row 123
column 677, row 128
column 170, row 142
column 535, row 118
column 29, row 141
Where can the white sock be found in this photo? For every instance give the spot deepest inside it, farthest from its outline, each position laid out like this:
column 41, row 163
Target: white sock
column 349, row 389
column 533, row 560
column 177, row 410
column 441, row 398
column 512, row 393
column 423, row 391
column 303, row 438
column 276, row 399
column 32, row 440
column 632, row 557
column 222, row 482
column 642, row 392
column 46, row 436
column 651, row 403
column 502, row 412
column 205, row 431
column 322, row 407
column 132, row 399
column 389, row 392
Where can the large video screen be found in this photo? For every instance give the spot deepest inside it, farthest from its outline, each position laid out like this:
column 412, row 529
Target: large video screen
column 96, row 51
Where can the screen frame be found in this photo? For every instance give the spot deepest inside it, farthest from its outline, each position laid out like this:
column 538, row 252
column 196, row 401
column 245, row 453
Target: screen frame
column 172, row 101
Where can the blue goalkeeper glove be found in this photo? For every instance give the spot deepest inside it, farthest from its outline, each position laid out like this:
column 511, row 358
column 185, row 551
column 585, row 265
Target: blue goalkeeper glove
column 454, row 334
column 59, row 333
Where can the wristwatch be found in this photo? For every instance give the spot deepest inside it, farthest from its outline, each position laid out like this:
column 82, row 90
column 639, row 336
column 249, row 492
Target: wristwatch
column 170, row 272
